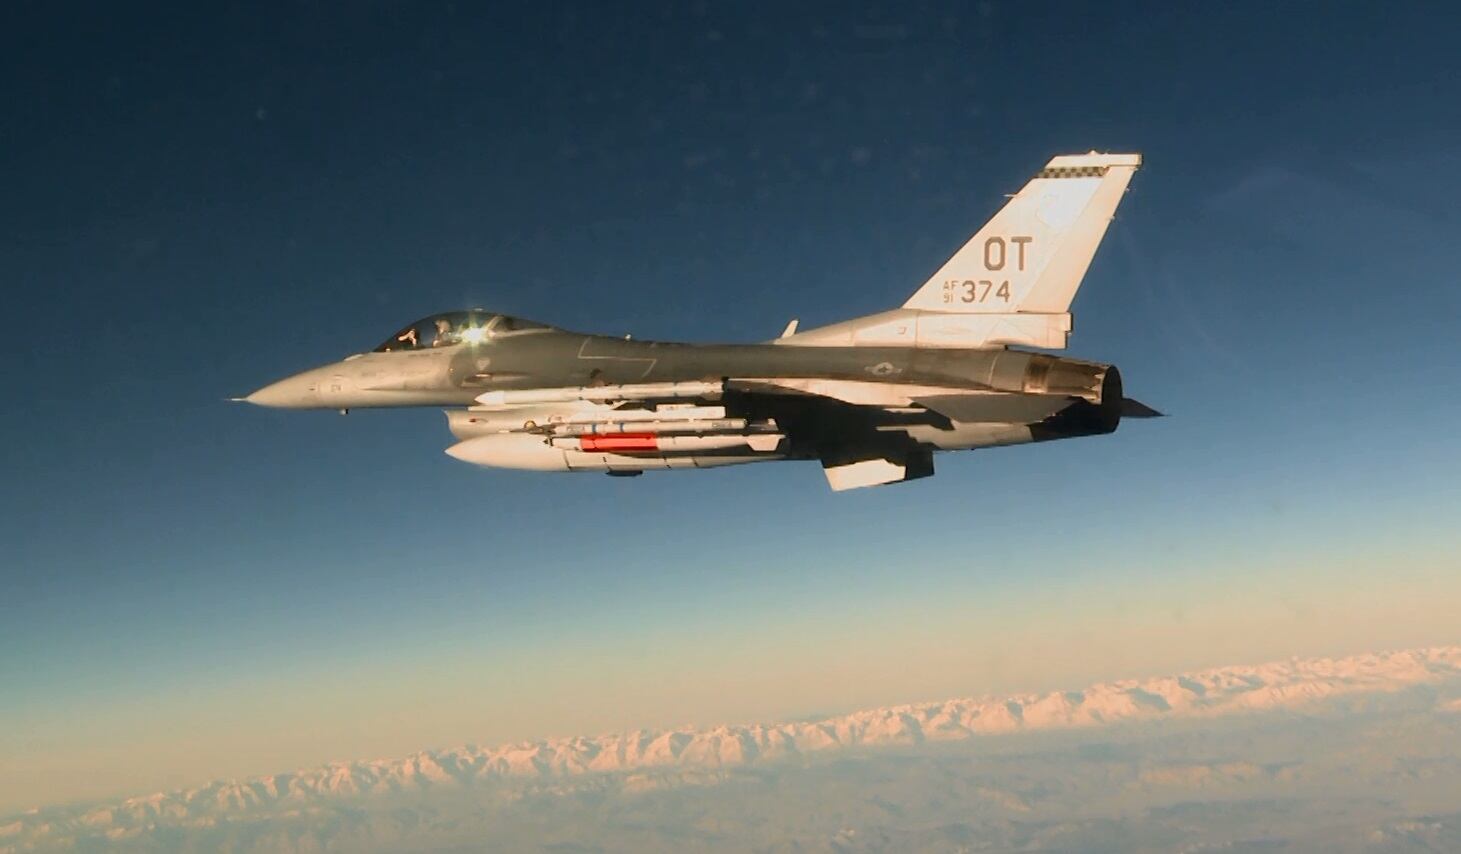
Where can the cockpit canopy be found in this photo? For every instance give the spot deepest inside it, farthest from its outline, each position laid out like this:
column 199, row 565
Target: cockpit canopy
column 456, row 327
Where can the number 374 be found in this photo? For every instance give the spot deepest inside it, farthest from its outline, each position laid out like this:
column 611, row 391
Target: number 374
column 981, row 291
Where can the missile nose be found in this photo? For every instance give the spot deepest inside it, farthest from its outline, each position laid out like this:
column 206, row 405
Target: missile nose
column 296, row 392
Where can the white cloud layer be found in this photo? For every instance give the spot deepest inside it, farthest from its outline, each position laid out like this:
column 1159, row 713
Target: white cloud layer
column 1351, row 753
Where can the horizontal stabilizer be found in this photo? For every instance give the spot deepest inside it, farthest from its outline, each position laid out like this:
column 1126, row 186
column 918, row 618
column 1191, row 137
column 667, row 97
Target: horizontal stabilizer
column 1136, row 409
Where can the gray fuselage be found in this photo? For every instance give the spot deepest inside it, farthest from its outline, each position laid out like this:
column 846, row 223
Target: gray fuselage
column 1016, row 396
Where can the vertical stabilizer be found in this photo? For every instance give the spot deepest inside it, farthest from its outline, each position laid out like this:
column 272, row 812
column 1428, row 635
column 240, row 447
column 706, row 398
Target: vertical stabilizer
column 1032, row 255
column 1013, row 282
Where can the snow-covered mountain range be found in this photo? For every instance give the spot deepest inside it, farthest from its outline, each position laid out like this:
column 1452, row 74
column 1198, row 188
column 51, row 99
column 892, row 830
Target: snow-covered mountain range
column 1292, row 686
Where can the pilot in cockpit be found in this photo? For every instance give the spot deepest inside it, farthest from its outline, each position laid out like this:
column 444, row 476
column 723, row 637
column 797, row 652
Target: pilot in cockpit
column 443, row 333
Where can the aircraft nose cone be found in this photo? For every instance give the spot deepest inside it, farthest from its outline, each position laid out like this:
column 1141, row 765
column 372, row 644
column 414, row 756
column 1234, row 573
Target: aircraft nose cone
column 293, row 393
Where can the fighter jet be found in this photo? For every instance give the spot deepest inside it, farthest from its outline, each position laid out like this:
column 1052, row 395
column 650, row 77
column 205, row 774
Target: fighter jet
column 870, row 398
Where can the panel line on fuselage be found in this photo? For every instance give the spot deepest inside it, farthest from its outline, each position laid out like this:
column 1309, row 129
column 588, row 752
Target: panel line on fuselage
column 583, row 355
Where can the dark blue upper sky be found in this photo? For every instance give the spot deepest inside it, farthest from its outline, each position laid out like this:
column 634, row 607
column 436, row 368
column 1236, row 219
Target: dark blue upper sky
column 200, row 199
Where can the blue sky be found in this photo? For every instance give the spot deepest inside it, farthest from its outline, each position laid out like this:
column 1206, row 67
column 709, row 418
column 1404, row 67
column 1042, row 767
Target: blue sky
column 198, row 202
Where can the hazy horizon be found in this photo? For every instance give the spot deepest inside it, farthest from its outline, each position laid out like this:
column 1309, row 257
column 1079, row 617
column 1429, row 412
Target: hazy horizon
column 1131, row 765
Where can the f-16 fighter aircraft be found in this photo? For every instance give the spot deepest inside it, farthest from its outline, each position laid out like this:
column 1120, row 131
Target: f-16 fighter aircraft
column 870, row 398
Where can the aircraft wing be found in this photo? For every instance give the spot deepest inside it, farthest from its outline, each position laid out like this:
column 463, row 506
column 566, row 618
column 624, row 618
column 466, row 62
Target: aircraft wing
column 869, row 450
column 865, row 433
column 956, row 404
column 872, row 442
